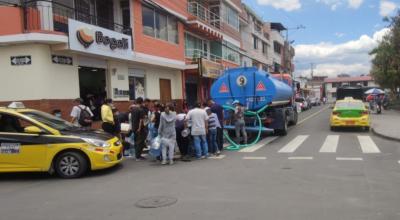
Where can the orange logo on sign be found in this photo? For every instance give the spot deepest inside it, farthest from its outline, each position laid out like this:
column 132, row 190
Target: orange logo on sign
column 223, row 88
column 85, row 37
column 260, row 87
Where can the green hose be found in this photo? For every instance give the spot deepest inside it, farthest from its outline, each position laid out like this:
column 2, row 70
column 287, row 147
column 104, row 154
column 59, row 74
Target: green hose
column 235, row 146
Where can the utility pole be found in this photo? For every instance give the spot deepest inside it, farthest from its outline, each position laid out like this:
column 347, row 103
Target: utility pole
column 312, row 76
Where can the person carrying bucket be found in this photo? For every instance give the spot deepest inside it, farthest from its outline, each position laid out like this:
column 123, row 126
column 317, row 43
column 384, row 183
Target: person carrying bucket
column 240, row 125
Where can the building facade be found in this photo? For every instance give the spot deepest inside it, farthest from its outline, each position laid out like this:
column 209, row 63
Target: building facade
column 53, row 51
column 331, row 84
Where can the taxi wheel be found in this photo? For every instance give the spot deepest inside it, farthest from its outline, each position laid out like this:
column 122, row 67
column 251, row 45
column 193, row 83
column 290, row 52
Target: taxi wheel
column 71, row 165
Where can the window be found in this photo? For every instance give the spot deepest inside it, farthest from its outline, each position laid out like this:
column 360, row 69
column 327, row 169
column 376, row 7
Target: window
column 159, row 25
column 265, row 49
column 277, row 47
column 13, row 124
column 195, row 47
column 231, row 17
column 255, row 42
column 136, row 87
column 230, row 52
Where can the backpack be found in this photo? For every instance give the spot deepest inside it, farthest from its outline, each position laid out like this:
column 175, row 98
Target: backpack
column 85, row 119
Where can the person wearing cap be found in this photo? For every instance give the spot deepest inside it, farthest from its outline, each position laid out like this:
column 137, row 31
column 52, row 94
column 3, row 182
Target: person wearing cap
column 107, row 117
column 213, row 124
column 239, row 122
column 76, row 111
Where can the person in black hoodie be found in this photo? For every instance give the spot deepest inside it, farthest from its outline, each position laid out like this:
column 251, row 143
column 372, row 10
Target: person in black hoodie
column 138, row 117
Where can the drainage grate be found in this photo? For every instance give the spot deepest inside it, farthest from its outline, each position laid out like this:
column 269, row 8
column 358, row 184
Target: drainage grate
column 156, row 202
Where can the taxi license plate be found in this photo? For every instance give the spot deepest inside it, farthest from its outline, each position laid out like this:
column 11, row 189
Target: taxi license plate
column 350, row 122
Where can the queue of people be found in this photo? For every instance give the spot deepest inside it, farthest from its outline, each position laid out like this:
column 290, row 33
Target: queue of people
column 197, row 133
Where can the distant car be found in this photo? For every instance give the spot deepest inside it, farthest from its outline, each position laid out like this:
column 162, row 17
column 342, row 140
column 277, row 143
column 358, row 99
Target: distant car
column 315, row 101
column 304, row 105
column 34, row 141
column 350, row 112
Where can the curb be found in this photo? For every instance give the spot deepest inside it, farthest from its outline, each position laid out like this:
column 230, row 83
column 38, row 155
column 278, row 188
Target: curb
column 384, row 136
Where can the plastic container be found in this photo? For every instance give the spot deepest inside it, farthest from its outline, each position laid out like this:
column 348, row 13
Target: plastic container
column 252, row 87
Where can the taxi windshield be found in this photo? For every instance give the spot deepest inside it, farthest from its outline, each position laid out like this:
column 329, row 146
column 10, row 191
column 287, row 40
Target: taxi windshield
column 50, row 120
column 349, row 105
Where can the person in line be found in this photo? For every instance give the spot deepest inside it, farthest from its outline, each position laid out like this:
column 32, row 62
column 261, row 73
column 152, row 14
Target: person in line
column 213, row 124
column 138, row 117
column 199, row 127
column 239, row 122
column 167, row 133
column 81, row 115
column 219, row 111
column 182, row 137
column 107, row 117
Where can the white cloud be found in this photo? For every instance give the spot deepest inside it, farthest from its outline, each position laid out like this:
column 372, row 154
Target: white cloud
column 334, row 4
column 355, row 3
column 350, row 57
column 387, row 8
column 287, row 5
column 339, row 35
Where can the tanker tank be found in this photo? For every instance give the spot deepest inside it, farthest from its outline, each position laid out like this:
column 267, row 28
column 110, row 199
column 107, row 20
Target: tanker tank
column 252, row 87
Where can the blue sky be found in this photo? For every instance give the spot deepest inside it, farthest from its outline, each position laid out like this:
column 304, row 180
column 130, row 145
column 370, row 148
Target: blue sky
column 338, row 33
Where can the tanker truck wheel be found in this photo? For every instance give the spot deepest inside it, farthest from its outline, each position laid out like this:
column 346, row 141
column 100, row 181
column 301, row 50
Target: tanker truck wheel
column 284, row 130
column 295, row 118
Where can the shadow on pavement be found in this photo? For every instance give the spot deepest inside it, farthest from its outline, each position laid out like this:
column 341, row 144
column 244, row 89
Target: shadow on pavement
column 31, row 176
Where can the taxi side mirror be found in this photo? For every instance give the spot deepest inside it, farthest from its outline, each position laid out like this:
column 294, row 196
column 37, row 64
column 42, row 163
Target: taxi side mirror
column 33, row 130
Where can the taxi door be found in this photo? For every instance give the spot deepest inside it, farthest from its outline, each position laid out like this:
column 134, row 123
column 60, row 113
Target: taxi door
column 20, row 151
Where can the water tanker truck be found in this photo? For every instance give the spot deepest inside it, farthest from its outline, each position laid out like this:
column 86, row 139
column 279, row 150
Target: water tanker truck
column 265, row 96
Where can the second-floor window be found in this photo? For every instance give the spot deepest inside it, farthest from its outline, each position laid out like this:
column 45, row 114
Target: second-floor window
column 231, row 17
column 277, row 47
column 159, row 25
column 230, row 52
column 265, row 49
column 255, row 43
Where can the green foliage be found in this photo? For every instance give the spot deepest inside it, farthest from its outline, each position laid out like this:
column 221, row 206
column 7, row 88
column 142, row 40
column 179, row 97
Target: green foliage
column 386, row 62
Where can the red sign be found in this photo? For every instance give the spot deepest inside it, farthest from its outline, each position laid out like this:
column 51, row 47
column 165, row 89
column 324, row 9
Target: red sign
column 260, row 86
column 223, row 88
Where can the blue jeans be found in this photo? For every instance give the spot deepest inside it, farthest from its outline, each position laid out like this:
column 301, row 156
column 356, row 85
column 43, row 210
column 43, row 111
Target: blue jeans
column 200, row 145
column 213, row 145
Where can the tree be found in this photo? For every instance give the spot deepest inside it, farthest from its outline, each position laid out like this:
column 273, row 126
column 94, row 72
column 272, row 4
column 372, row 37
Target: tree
column 386, row 61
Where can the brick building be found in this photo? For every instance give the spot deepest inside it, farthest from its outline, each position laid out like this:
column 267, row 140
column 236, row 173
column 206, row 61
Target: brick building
column 53, row 51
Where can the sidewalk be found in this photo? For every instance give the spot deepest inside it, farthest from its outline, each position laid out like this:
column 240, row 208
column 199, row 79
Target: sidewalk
column 387, row 124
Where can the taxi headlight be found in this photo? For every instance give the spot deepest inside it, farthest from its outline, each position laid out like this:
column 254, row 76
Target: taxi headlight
column 96, row 142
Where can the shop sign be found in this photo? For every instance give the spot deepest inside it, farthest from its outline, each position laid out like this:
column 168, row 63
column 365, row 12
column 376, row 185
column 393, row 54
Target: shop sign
column 61, row 60
column 119, row 93
column 21, row 60
column 210, row 69
column 97, row 40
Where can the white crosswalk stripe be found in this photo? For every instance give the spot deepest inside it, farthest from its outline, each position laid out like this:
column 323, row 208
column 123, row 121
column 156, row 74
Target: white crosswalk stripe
column 368, row 146
column 294, row 144
column 330, row 144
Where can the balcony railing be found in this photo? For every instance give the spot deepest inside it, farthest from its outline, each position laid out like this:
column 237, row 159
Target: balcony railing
column 195, row 54
column 204, row 14
column 51, row 16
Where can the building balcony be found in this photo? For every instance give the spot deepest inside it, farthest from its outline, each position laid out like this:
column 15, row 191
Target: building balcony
column 48, row 16
column 193, row 55
column 203, row 21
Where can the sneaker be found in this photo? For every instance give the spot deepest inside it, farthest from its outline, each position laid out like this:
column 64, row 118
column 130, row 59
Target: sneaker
column 163, row 162
column 203, row 157
column 171, row 162
column 218, row 153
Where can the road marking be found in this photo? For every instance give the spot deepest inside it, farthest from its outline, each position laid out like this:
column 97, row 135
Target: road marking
column 217, row 157
column 314, row 114
column 254, row 158
column 368, row 146
column 330, row 144
column 294, row 144
column 259, row 145
column 300, row 158
column 349, row 158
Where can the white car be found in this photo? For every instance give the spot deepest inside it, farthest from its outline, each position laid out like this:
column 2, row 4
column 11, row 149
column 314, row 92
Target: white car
column 303, row 103
column 315, row 101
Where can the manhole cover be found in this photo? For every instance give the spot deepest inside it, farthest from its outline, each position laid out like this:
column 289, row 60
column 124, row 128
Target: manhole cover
column 156, row 202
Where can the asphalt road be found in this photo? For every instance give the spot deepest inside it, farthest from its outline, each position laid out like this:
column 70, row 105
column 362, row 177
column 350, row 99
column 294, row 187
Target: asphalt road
column 312, row 173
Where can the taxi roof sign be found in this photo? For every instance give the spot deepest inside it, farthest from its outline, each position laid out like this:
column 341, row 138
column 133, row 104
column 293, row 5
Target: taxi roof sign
column 16, row 105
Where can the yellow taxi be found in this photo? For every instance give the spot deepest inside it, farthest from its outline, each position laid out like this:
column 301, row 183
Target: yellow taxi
column 350, row 112
column 34, row 141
